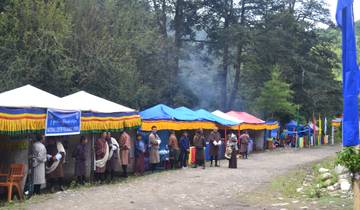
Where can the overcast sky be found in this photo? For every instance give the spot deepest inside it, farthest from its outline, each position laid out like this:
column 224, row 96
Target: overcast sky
column 332, row 7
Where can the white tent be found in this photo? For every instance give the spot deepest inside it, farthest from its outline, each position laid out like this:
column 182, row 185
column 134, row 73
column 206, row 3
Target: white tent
column 87, row 102
column 29, row 97
column 226, row 116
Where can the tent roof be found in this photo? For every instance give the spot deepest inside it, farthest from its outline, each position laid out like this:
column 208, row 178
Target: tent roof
column 292, row 123
column 247, row 118
column 29, row 97
column 87, row 102
column 211, row 117
column 187, row 114
column 226, row 116
column 158, row 112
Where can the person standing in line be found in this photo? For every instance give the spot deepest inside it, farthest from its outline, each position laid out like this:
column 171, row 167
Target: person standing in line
column 185, row 149
column 125, row 146
column 215, row 142
column 54, row 167
column 139, row 155
column 244, row 141
column 101, row 157
column 114, row 156
column 174, row 150
column 199, row 143
column 233, row 143
column 80, row 155
column 38, row 157
column 154, row 143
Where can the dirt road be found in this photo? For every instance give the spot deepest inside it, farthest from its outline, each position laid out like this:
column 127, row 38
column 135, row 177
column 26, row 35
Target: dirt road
column 212, row 188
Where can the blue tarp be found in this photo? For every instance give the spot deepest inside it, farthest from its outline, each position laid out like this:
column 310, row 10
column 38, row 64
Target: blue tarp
column 203, row 114
column 188, row 114
column 345, row 20
column 291, row 125
column 158, row 112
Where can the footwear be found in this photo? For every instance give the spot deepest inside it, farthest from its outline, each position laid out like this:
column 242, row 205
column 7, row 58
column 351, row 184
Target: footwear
column 212, row 165
column 217, row 166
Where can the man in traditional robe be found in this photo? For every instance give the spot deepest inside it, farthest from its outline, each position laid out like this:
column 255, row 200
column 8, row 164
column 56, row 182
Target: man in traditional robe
column 244, row 141
column 54, row 167
column 114, row 155
column 80, row 155
column 184, row 149
column 199, row 143
column 174, row 150
column 38, row 156
column 154, row 141
column 101, row 157
column 215, row 142
column 125, row 146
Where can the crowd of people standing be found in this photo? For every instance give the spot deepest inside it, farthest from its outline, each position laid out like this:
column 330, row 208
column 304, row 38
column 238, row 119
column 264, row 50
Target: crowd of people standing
column 49, row 157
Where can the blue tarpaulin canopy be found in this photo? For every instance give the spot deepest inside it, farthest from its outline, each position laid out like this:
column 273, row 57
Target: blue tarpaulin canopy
column 291, row 125
column 158, row 112
column 187, row 114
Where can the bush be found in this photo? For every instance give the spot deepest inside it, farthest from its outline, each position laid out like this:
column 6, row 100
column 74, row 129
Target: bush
column 349, row 157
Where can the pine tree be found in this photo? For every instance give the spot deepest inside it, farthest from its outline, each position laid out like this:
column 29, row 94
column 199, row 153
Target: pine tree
column 275, row 98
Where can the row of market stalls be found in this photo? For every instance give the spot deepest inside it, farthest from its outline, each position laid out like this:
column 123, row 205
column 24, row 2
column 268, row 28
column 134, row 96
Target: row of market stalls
column 27, row 111
column 313, row 133
column 167, row 119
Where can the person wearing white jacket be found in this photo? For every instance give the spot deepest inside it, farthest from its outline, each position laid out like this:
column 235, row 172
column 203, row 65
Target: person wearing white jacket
column 38, row 157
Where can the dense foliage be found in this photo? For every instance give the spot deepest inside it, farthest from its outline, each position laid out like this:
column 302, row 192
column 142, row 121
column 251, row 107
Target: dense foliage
column 349, row 157
column 214, row 54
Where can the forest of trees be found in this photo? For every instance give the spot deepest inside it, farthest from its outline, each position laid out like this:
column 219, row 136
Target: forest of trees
column 217, row 54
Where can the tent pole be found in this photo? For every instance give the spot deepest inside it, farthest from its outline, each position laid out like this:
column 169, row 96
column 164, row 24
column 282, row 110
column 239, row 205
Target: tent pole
column 332, row 135
column 92, row 156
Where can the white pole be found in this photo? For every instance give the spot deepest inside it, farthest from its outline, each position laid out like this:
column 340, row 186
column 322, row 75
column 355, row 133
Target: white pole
column 332, row 135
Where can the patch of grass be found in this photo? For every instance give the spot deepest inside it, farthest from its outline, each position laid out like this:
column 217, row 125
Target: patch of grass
column 288, row 184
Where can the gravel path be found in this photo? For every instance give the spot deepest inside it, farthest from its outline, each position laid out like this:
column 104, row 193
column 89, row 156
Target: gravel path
column 213, row 188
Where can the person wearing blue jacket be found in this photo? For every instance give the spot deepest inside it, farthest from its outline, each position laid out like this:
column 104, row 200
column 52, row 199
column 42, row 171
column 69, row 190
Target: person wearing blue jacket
column 184, row 149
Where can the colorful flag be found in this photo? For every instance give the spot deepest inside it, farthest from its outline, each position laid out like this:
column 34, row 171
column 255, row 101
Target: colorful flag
column 320, row 131
column 345, row 20
column 314, row 129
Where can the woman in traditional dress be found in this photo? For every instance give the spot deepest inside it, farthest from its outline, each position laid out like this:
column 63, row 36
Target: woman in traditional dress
column 139, row 155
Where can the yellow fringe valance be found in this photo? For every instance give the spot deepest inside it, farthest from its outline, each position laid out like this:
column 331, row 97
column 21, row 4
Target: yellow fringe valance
column 109, row 123
column 14, row 124
column 247, row 126
column 177, row 125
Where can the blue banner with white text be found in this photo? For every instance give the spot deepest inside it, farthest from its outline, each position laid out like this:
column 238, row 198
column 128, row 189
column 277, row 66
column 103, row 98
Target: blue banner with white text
column 62, row 123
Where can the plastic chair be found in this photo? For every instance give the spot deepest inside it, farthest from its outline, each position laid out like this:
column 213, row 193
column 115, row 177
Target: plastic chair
column 14, row 179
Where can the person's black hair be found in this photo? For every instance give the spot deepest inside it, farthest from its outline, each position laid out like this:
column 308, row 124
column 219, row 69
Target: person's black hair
column 82, row 138
column 38, row 137
column 153, row 127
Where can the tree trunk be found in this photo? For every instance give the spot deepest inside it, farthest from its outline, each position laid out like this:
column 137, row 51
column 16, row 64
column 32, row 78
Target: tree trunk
column 225, row 60
column 239, row 61
column 356, row 190
column 178, row 27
